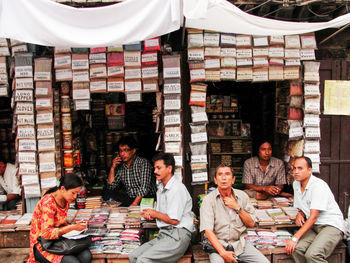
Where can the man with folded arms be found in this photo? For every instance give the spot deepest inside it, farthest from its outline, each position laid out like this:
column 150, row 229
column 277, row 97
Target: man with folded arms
column 173, row 215
column 320, row 219
column 225, row 215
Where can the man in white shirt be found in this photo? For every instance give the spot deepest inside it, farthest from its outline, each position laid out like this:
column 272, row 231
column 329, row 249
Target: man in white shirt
column 320, row 219
column 9, row 187
column 173, row 216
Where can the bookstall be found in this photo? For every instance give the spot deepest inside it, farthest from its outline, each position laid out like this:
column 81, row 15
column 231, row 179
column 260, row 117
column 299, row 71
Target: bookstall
column 71, row 105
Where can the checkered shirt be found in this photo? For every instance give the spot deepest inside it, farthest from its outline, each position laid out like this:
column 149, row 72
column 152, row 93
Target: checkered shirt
column 137, row 178
column 254, row 174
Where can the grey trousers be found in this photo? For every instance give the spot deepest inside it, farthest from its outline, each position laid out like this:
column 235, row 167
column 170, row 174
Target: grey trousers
column 249, row 255
column 317, row 244
column 167, row 247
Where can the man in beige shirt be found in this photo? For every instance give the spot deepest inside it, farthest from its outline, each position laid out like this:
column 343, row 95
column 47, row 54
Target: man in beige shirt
column 225, row 215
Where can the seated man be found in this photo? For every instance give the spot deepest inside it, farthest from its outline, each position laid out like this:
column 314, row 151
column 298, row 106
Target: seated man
column 264, row 175
column 320, row 219
column 10, row 190
column 225, row 215
column 131, row 177
column 173, row 215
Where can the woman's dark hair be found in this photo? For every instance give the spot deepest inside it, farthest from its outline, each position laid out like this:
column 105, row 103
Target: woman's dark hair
column 167, row 158
column 69, row 181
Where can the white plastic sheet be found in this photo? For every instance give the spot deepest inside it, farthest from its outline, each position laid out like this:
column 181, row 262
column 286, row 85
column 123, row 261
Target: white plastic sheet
column 222, row 16
column 49, row 23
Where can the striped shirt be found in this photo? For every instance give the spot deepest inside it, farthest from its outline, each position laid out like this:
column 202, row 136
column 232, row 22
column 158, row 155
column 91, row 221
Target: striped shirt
column 254, row 174
column 138, row 179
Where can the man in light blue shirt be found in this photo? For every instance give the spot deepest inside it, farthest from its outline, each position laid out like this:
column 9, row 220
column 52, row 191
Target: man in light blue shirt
column 320, row 219
column 173, row 216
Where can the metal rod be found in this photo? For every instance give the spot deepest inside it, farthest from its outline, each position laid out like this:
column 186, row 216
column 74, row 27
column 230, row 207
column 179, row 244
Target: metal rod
column 335, row 33
column 183, row 33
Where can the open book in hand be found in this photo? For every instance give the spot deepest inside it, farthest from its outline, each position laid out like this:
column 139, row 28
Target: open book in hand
column 75, row 234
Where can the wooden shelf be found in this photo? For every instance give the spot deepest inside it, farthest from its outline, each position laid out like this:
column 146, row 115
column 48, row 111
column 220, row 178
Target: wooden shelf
column 230, row 120
column 231, row 153
column 228, row 138
column 281, row 117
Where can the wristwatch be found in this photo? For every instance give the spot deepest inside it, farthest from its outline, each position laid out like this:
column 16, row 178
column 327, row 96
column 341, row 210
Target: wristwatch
column 294, row 239
column 238, row 210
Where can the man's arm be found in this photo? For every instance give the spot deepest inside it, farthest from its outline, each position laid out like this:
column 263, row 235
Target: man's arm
column 136, row 201
column 268, row 189
column 226, row 255
column 116, row 161
column 244, row 215
column 151, row 214
column 290, row 245
column 11, row 196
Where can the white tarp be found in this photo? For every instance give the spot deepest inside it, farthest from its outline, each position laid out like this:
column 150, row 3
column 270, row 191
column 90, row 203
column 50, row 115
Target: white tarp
column 222, row 16
column 49, row 23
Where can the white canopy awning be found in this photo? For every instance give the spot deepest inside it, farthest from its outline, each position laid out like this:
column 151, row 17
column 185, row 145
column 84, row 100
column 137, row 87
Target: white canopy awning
column 49, row 23
column 222, row 16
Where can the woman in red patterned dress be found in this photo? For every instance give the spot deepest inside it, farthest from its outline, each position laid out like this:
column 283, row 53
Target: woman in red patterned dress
column 49, row 221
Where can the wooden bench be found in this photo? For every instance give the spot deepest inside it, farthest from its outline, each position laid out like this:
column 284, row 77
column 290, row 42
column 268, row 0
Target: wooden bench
column 119, row 258
column 275, row 255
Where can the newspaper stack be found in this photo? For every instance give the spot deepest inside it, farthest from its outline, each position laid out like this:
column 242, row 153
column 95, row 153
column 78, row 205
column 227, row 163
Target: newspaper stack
column 24, row 222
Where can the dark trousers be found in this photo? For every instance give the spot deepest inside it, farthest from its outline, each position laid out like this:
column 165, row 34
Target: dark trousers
column 10, row 205
column 83, row 257
column 120, row 194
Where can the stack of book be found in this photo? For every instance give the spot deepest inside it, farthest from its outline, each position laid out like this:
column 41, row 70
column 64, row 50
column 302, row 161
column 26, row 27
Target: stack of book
column 278, row 216
column 265, row 204
column 291, row 212
column 267, row 239
column 92, row 202
column 83, row 215
column 263, row 218
column 8, row 223
column 281, row 201
column 23, row 223
column 131, row 240
column 282, row 237
column 116, row 219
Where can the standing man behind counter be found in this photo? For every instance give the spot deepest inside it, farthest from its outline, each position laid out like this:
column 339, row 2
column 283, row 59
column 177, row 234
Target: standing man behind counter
column 264, row 175
column 131, row 177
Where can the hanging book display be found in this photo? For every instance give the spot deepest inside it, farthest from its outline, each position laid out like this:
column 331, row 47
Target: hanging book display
column 26, row 135
column 172, row 107
column 198, row 133
column 298, row 101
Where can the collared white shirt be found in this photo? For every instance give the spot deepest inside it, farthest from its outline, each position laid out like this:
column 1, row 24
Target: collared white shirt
column 9, row 181
column 317, row 195
column 175, row 201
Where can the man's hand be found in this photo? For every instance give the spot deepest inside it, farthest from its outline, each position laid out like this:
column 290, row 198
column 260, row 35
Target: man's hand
column 272, row 190
column 300, row 219
column 290, row 246
column 116, row 161
column 231, row 203
column 149, row 214
column 228, row 256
